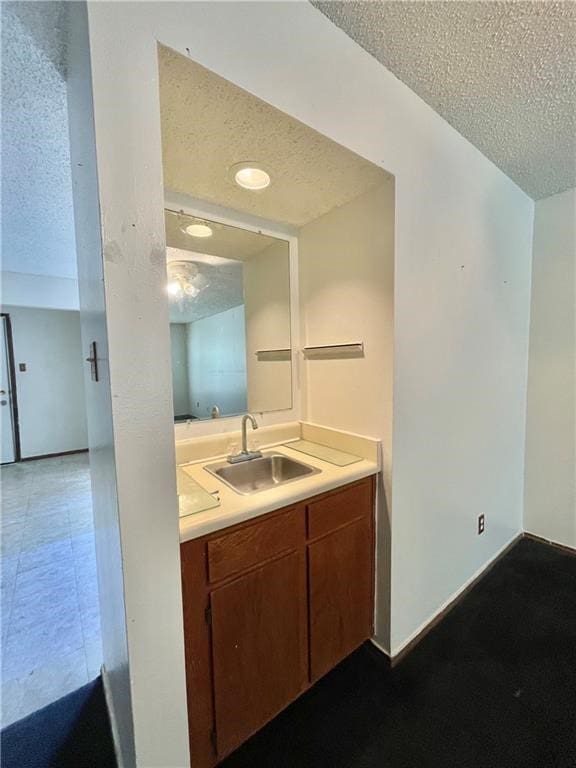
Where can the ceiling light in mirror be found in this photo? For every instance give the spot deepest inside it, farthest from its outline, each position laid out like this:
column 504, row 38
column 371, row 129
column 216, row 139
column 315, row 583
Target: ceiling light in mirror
column 193, row 226
column 174, row 288
column 184, row 280
column 249, row 176
column 199, row 230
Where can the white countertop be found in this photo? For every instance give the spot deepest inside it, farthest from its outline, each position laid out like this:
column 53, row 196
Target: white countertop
column 235, row 508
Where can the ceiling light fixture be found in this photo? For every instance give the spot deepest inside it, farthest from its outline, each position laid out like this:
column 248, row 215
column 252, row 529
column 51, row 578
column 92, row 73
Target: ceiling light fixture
column 250, row 176
column 174, row 288
column 184, row 280
column 190, row 225
column 199, row 230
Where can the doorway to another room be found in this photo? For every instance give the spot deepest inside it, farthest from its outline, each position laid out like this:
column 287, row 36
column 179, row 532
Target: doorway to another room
column 10, row 448
column 50, row 612
column 50, row 628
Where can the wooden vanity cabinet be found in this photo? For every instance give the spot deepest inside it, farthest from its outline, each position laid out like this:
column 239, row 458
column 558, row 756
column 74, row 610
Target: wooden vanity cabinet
column 340, row 588
column 270, row 606
column 258, row 648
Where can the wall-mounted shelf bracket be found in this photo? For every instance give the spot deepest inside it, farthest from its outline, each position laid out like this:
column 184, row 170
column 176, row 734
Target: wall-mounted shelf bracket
column 354, row 349
column 265, row 355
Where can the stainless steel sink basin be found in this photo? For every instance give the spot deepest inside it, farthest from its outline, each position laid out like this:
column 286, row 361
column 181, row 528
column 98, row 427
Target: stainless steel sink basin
column 260, row 474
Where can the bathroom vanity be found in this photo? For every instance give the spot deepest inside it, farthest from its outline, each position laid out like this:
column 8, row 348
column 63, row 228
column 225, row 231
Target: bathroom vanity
column 273, row 602
column 269, row 607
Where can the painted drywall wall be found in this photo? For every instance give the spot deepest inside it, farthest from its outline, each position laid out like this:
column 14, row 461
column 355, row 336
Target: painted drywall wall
column 51, row 407
column 179, row 357
column 347, row 295
column 216, row 348
column 463, row 235
column 267, row 308
column 122, row 297
column 19, row 289
column 550, row 484
column 116, row 597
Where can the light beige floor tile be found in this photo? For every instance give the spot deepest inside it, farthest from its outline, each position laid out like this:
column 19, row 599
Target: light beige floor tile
column 93, row 650
column 11, row 537
column 45, row 684
column 50, row 641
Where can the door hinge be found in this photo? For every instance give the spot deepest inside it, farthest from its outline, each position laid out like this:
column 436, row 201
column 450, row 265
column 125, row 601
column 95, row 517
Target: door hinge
column 213, row 740
column 208, row 615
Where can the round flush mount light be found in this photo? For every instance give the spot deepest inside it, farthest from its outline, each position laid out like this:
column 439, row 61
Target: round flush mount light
column 199, row 230
column 250, row 175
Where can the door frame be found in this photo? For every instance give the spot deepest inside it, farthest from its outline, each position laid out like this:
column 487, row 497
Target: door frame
column 13, row 391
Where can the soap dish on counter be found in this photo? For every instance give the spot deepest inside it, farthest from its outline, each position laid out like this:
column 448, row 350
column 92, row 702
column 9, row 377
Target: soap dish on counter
column 324, row 452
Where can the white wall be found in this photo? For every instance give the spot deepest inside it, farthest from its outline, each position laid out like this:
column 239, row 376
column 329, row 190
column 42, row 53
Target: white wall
column 462, row 281
column 51, row 407
column 20, row 289
column 550, row 485
column 347, row 295
column 122, row 268
column 217, row 363
column 179, row 357
column 267, row 308
column 115, row 599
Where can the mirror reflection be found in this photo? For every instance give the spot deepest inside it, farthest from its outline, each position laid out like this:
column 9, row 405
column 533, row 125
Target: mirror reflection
column 229, row 306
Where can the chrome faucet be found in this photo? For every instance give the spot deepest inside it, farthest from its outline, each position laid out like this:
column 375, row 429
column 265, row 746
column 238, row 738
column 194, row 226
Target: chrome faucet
column 245, row 454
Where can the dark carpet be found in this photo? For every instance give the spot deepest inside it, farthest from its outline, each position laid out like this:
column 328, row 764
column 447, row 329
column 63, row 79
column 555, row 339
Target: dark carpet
column 73, row 732
column 493, row 686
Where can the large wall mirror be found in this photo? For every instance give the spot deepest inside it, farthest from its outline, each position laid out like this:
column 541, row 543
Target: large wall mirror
column 229, row 297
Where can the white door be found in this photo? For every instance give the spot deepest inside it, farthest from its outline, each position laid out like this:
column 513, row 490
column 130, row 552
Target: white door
column 6, row 411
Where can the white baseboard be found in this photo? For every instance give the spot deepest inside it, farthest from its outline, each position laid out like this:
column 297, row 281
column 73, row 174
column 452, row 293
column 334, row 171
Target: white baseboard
column 553, row 542
column 454, row 596
column 111, row 716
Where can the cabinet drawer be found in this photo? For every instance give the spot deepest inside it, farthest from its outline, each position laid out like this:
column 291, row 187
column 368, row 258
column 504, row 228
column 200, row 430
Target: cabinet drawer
column 339, row 508
column 246, row 547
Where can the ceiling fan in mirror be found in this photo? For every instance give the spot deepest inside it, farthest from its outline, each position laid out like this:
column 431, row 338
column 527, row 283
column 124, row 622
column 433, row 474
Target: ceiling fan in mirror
column 185, row 281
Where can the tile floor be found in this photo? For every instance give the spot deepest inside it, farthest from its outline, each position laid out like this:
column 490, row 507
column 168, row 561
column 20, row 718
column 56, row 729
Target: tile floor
column 49, row 602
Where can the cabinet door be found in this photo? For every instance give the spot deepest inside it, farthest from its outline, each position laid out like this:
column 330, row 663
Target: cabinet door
column 258, row 647
column 340, row 583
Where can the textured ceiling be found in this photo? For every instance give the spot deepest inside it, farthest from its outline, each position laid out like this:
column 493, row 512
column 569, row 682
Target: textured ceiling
column 37, row 213
column 502, row 73
column 45, row 24
column 219, row 261
column 208, row 125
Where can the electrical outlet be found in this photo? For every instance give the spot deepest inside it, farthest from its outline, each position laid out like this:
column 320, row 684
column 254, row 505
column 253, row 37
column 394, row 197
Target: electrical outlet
column 480, row 524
